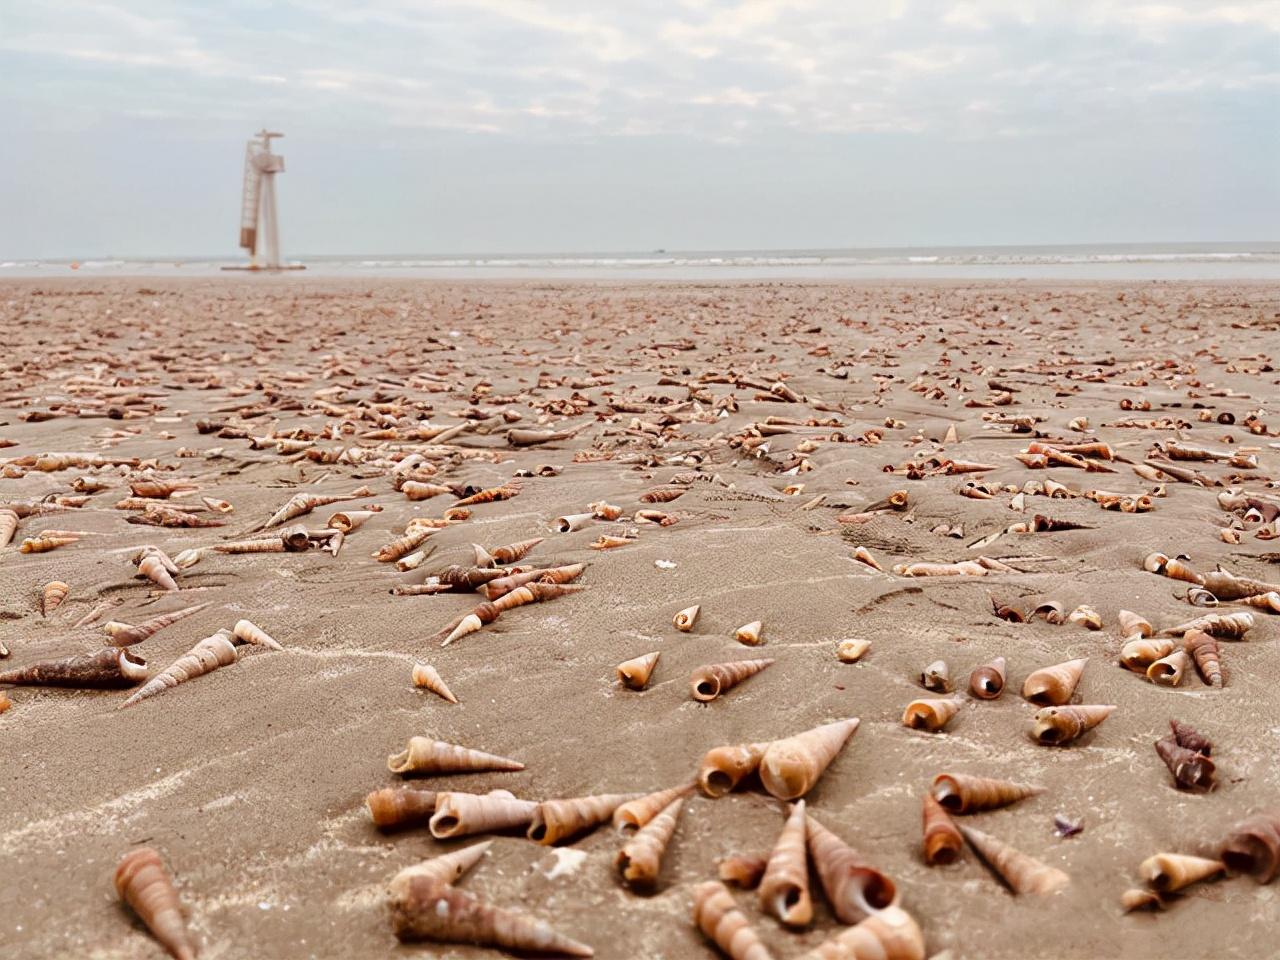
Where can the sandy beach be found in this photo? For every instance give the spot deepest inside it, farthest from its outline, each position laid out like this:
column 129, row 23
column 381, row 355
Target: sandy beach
column 250, row 780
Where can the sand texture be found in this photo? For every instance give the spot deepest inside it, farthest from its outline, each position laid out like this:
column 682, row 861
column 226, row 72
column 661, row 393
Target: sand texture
column 250, row 780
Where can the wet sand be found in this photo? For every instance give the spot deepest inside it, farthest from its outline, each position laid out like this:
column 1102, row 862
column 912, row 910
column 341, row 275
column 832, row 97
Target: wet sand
column 250, row 780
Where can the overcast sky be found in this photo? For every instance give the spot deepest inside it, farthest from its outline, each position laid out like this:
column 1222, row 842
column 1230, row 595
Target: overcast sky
column 603, row 125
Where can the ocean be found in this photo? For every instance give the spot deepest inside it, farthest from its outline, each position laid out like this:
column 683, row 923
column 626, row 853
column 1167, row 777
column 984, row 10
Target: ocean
column 1152, row 261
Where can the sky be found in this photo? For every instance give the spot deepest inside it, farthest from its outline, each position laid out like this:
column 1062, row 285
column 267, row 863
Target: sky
column 594, row 125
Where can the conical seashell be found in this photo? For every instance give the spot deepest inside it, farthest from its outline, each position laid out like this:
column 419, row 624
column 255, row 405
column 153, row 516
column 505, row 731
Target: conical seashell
column 749, row 634
column 462, row 814
column 707, row 683
column 686, row 618
column 471, row 623
column 963, row 793
column 1085, row 616
column 1022, row 874
column 1052, row 611
column 402, row 546
column 851, row 651
column 144, row 884
column 514, row 551
column 1168, row 872
column 1056, row 726
column 742, row 871
column 8, row 527
column 1168, row 671
column 251, row 633
column 863, row 555
column 640, row 860
column 724, row 767
column 790, row 767
column 447, row 868
column 1191, row 770
column 1253, row 846
column 1137, row 898
column 936, row 677
column 854, row 888
column 634, row 814
column 784, row 888
column 302, row 503
column 1203, row 649
column 495, row 589
column 1231, row 626
column 987, row 681
column 52, row 596
column 1227, row 586
column 425, row 677
column 888, row 934
column 635, row 673
column 942, row 841
column 424, row 755
column 125, row 635
column 574, row 521
column 721, row 922
column 153, row 568
column 929, row 714
column 348, row 520
column 1188, row 737
column 1054, row 686
column 400, row 806
column 1132, row 625
column 1139, row 654
column 556, row 820
column 106, row 669
column 423, row 908
column 207, row 655
column 605, row 511
column 45, row 542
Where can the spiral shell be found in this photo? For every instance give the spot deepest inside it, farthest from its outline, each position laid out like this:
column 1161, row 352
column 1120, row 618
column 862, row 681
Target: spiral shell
column 1168, row 872
column 573, row 521
column 936, row 677
column 686, row 618
column 784, row 888
column 1203, row 649
column 426, row 677
column 1054, row 686
column 854, row 888
column 1057, row 726
column 1191, row 770
column 52, row 595
column 962, row 793
column 790, row 767
column 1132, row 625
column 251, row 633
column 707, row 683
column 424, row 755
column 1168, row 671
column 749, row 634
column 942, row 841
column 1253, row 847
column 1022, row 874
column 640, row 859
column 206, row 656
column 1085, row 616
column 107, row 668
column 394, row 807
column 720, row 921
column 742, row 871
column 124, row 634
column 631, row 816
column 987, row 682
column 888, row 934
column 556, row 820
column 928, row 714
column 142, row 882
column 722, row 768
column 1140, row 653
column 635, row 673
column 8, row 527
column 463, row 814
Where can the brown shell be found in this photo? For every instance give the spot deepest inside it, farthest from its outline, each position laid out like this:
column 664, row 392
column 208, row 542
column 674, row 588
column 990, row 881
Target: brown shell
column 722, row 768
column 1021, row 873
column 686, row 618
column 125, row 635
column 556, row 820
column 446, row 868
column 784, row 888
column 889, row 934
column 1137, row 898
column 987, row 682
column 942, row 841
column 1224, row 626
column 742, row 871
column 143, row 883
column 721, row 922
column 512, row 552
column 1253, row 846
column 1055, row 685
column 1132, row 625
column 635, row 673
column 1057, row 726
column 1138, row 654
column 631, row 816
column 52, row 595
column 1168, row 872
column 402, row 546
column 790, row 767
column 493, row 494
column 108, row 668
column 749, row 634
column 206, row 656
column 640, row 859
column 1191, row 770
column 936, row 677
column 929, row 714
column 662, row 495
column 708, row 682
column 400, row 807
column 424, row 755
column 854, row 888
column 462, row 814
column 962, row 793
column 1204, row 650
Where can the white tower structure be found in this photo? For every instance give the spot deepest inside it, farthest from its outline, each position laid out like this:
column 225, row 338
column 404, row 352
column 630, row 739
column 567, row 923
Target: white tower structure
column 259, row 225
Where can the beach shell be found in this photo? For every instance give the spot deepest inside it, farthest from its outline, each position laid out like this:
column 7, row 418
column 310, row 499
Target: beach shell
column 631, row 816
column 1227, row 586
column 936, row 677
column 863, row 555
column 424, row 908
column 424, row 755
column 108, row 668
column 402, row 546
column 251, row 633
column 159, row 489
column 269, row 545
column 446, row 868
column 1168, row 872
column 1136, row 898
column 400, row 807
column 509, row 553
column 417, row 490
column 1058, row 726
column 929, row 714
column 462, row 814
column 1052, row 611
column 556, row 820
column 635, row 673
column 1253, row 847
column 426, row 677
column 686, row 618
column 1168, row 671
column 125, row 635
column 348, row 520
column 302, row 503
column 1140, row 653
column 573, row 521
column 962, row 793
column 742, row 871
column 1132, row 625
column 1187, row 736
column 722, row 768
column 5, row 702
column 640, row 860
column 209, row 654
column 851, row 651
column 790, row 767
column 854, row 888
column 1085, row 616
column 472, row 622
column 605, row 511
column 1229, row 626
column 987, row 682
column 749, row 634
column 889, row 934
column 45, row 542
column 1054, row 686
column 784, row 888
column 8, row 527
column 52, row 595
column 1203, row 649
column 1191, row 770
column 1021, row 873
column 707, row 683
column 153, row 568
column 942, row 841
column 662, row 495
column 721, row 922
column 143, row 883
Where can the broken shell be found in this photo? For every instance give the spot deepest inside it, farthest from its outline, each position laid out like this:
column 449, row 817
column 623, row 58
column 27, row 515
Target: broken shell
column 1168, row 872
column 1057, row 726
column 251, row 633
column 854, row 888
column 8, row 527
column 108, row 668
column 206, row 656
column 154, row 569
column 463, row 814
column 686, row 618
column 1136, row 898
column 1085, row 616
column 1231, row 626
column 720, row 920
column 1132, row 625
column 640, row 860
column 851, row 651
column 962, row 793
column 749, row 634
column 784, row 888
column 1021, row 873
column 52, row 596
column 744, row 872
column 605, row 511
column 987, row 681
column 556, row 820
column 424, row 755
column 1203, row 649
column 446, row 868
column 1054, row 686
column 930, row 715
column 1191, row 770
column 400, row 807
column 143, row 882
column 1139, row 654
column 1253, row 846
column 1168, row 671
column 635, row 673
column 707, row 683
column 1051, row 610
column 574, row 521
column 348, row 520
column 790, row 767
column 426, row 677
column 722, row 768
column 936, row 677
column 631, row 816
column 942, row 841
